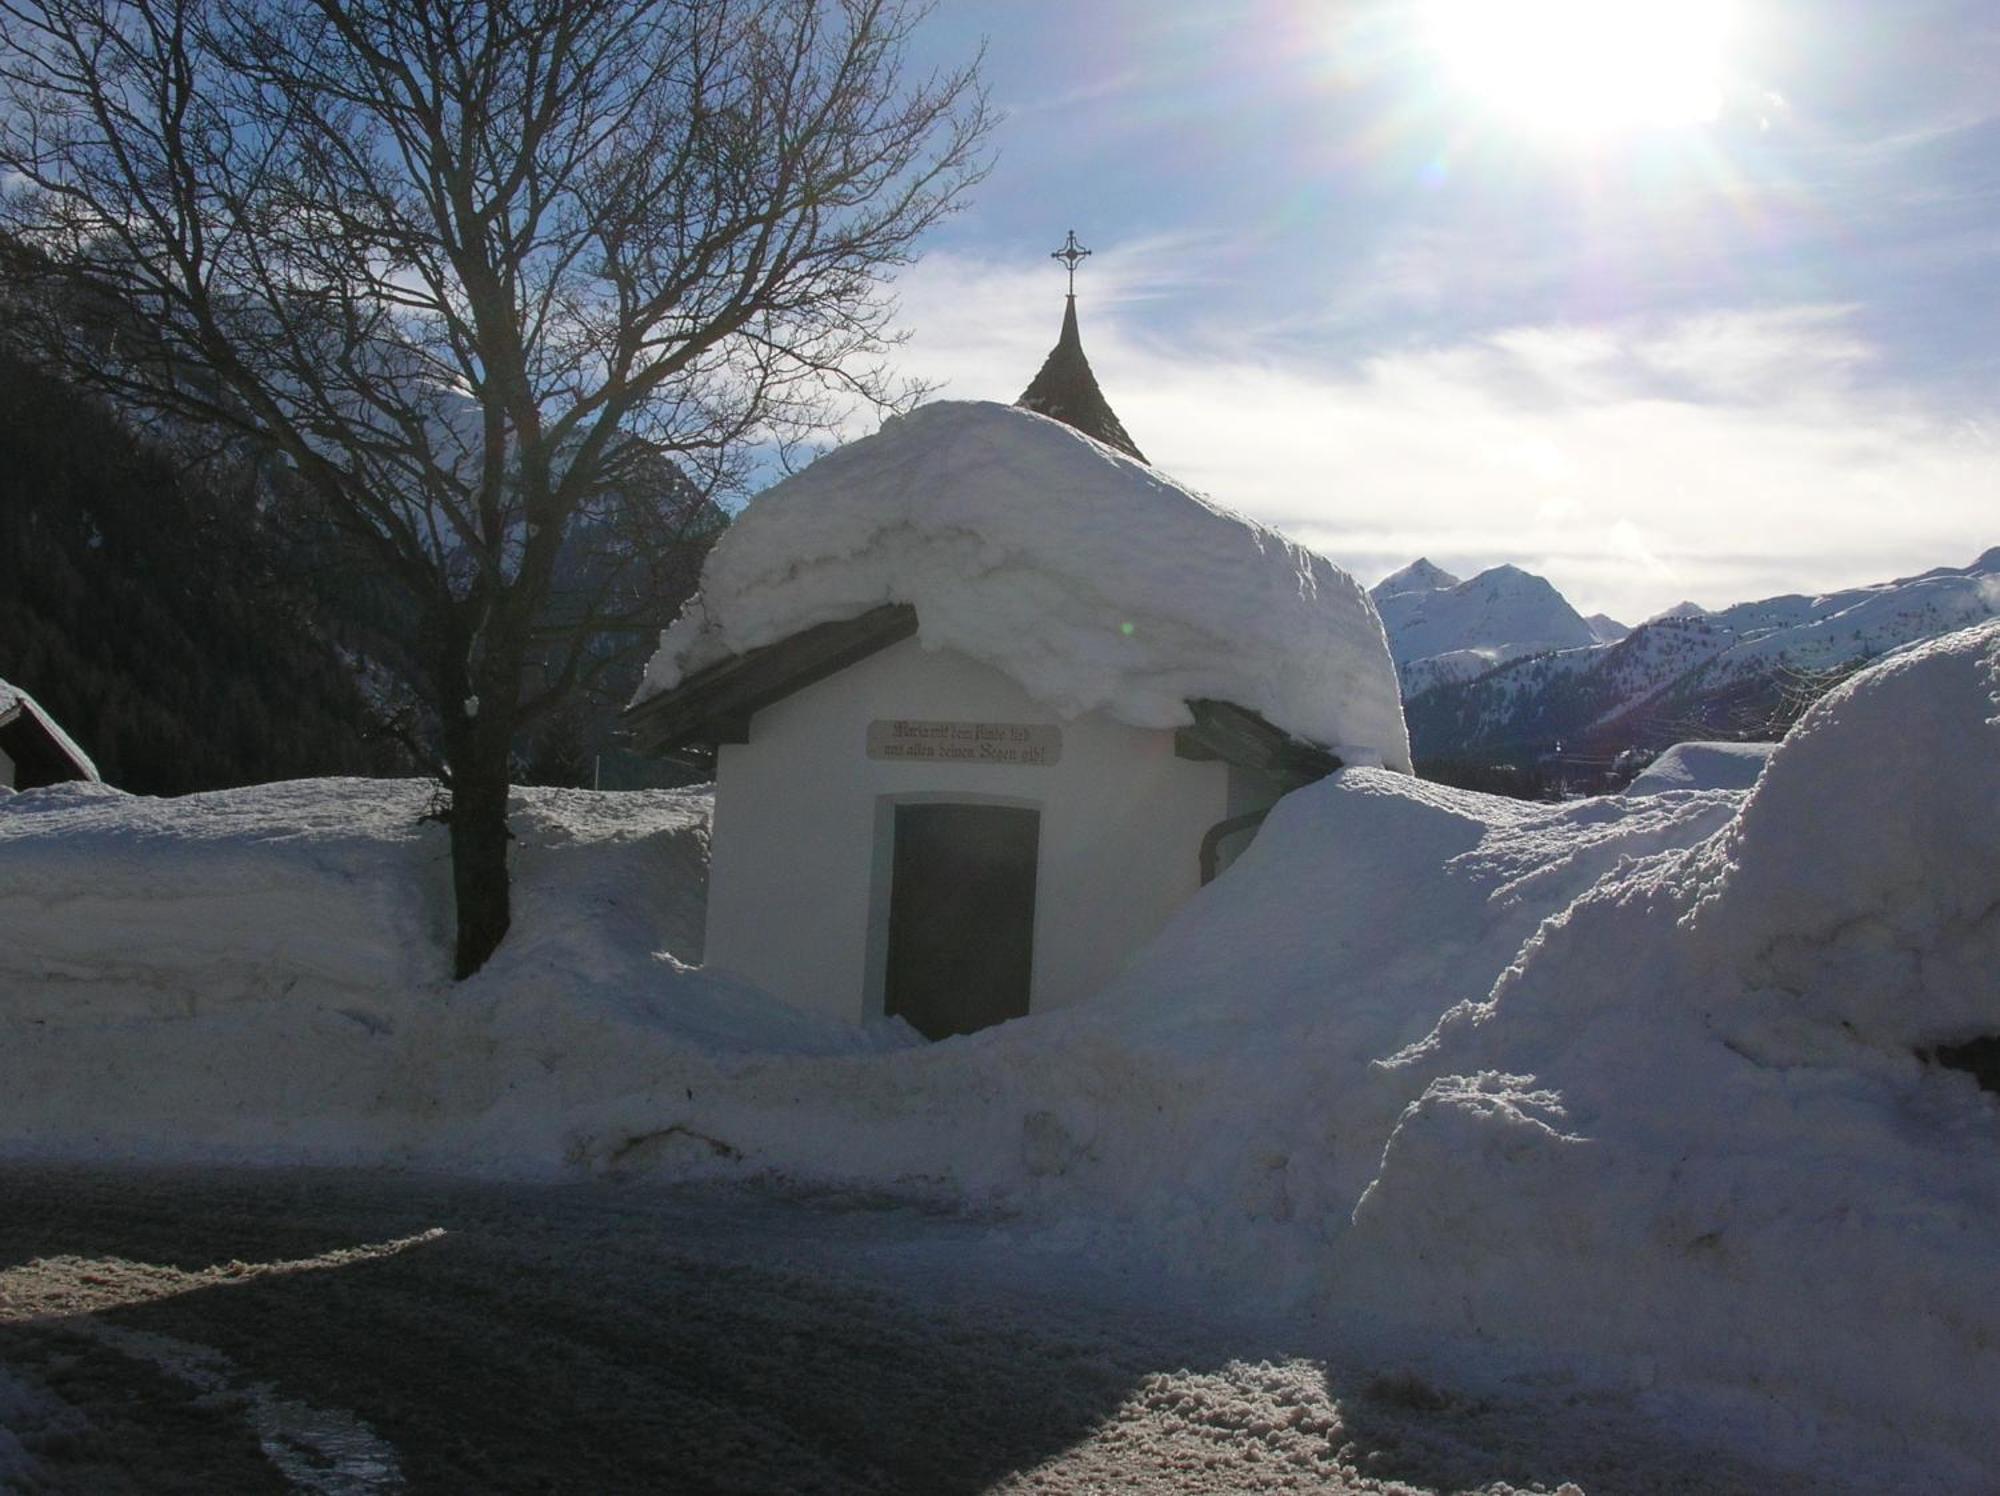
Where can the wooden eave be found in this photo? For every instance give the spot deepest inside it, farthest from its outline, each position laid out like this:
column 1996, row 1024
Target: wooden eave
column 1236, row 735
column 715, row 705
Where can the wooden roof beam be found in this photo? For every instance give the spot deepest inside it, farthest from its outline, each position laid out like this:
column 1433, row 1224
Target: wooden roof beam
column 1237, row 735
column 715, row 705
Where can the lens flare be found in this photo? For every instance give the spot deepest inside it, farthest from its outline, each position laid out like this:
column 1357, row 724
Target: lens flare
column 1585, row 69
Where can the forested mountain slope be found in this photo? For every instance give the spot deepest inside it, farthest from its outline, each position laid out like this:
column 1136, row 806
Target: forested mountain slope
column 150, row 610
column 196, row 626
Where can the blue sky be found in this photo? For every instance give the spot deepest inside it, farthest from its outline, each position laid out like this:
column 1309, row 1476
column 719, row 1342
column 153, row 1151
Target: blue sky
column 1401, row 288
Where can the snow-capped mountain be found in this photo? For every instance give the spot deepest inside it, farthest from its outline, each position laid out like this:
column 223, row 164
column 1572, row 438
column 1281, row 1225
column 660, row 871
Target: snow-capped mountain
column 1442, row 630
column 1606, row 629
column 1421, row 575
column 1743, row 672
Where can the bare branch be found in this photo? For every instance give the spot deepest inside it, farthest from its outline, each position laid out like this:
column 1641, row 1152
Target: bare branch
column 458, row 261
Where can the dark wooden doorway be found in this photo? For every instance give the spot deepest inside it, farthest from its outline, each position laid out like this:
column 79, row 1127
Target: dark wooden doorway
column 961, row 916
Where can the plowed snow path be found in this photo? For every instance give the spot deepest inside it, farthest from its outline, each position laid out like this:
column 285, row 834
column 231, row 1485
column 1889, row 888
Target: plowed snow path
column 292, row 1330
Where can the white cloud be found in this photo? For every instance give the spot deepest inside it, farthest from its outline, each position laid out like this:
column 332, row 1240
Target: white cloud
column 1720, row 457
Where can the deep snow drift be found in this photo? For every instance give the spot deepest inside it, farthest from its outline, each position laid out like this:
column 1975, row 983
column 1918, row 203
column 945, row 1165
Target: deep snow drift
column 1691, row 1126
column 1630, row 1089
column 263, row 974
column 1703, row 766
column 1092, row 580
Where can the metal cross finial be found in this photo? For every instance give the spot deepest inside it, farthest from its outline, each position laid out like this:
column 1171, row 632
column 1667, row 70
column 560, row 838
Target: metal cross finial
column 1071, row 254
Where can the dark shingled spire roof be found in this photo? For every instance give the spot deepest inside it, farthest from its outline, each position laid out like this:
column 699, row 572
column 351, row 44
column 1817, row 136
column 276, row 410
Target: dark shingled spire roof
column 1067, row 390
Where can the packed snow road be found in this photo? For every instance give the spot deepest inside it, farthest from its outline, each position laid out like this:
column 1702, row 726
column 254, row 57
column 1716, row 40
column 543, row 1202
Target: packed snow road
column 296, row 1330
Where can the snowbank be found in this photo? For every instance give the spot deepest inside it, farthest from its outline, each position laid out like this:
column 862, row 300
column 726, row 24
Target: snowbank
column 1094, row 581
column 1703, row 766
column 263, row 974
column 1691, row 1129
column 1636, row 1090
column 1673, row 1129
column 150, row 907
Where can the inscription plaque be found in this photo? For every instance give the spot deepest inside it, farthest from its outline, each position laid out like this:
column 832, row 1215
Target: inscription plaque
column 1033, row 744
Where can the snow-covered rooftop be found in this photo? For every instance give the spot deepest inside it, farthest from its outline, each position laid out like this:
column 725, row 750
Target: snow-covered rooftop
column 1704, row 766
column 13, row 699
column 1093, row 581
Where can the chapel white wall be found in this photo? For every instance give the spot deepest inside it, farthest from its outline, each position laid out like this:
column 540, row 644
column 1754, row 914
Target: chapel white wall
column 798, row 874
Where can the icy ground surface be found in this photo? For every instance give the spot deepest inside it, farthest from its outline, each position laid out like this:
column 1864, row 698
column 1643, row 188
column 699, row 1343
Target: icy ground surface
column 158, row 1329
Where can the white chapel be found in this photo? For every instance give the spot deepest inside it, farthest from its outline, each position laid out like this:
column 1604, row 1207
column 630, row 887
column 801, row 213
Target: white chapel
column 989, row 699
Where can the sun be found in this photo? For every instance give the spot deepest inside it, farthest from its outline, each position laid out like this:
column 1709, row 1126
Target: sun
column 1585, row 69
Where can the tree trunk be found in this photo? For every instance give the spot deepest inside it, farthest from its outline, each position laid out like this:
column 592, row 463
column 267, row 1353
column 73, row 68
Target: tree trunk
column 479, row 852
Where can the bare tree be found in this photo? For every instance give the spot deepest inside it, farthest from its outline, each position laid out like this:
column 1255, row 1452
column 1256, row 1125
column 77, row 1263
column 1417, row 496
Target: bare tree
column 470, row 266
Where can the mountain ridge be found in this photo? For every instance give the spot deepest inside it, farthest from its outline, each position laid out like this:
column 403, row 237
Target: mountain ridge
column 1744, row 672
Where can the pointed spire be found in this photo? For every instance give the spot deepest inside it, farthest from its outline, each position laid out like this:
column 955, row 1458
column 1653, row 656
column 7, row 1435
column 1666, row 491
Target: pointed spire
column 1066, row 389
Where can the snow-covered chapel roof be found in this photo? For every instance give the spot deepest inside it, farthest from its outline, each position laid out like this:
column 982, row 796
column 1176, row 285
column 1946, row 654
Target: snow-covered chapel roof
column 1093, row 581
